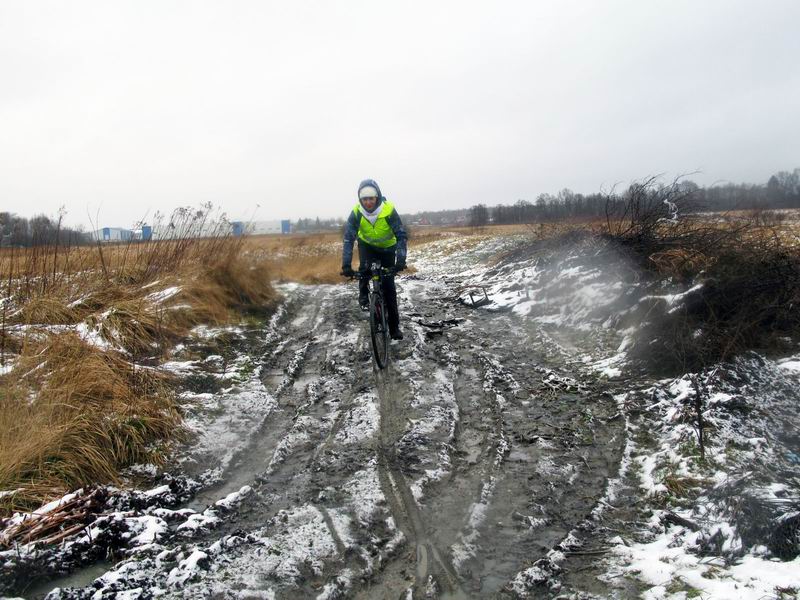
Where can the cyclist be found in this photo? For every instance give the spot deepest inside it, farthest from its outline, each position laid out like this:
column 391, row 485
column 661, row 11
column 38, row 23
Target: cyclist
column 382, row 238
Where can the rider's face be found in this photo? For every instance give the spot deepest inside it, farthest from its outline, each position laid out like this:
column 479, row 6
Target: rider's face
column 369, row 203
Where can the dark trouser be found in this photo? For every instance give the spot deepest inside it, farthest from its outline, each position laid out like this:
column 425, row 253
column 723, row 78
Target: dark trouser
column 368, row 254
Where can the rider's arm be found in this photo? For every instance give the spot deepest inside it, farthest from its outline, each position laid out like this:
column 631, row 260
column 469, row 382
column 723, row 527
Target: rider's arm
column 350, row 233
column 400, row 233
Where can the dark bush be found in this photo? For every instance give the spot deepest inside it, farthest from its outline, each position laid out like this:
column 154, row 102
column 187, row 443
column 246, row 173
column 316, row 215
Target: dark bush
column 746, row 273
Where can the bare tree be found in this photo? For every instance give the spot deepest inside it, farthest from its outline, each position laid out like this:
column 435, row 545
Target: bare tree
column 479, row 216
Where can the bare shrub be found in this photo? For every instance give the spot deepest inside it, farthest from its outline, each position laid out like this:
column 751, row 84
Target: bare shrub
column 647, row 213
column 681, row 263
column 766, row 218
column 746, row 272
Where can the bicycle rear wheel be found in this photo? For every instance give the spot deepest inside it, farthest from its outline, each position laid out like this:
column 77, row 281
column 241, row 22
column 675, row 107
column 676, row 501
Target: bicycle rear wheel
column 379, row 332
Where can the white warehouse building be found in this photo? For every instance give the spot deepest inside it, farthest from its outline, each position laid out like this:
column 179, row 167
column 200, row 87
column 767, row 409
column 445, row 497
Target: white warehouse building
column 112, row 234
column 258, row 227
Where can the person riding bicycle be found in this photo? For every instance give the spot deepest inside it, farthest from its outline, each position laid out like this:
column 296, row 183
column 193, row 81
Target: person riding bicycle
column 382, row 238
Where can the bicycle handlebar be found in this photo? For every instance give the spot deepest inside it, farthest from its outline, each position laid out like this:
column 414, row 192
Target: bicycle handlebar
column 367, row 274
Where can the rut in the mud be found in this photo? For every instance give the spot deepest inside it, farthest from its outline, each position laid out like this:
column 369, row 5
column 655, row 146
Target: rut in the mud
column 503, row 458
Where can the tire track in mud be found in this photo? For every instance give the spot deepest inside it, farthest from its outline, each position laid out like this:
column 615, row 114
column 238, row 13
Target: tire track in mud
column 525, row 440
column 319, row 446
column 436, row 575
column 304, row 371
column 283, row 358
column 432, row 571
column 298, row 368
column 402, row 396
column 292, row 467
column 403, row 408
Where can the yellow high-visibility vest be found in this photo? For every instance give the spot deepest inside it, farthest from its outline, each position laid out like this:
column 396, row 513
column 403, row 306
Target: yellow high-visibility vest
column 380, row 234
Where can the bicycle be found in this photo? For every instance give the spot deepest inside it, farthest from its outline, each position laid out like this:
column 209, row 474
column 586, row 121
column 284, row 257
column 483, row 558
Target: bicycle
column 378, row 323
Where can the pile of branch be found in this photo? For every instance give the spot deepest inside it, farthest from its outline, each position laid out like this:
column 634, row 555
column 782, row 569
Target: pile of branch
column 646, row 211
column 660, row 225
column 746, row 276
column 55, row 525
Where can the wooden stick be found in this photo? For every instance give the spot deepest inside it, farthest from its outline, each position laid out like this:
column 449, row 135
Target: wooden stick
column 61, row 535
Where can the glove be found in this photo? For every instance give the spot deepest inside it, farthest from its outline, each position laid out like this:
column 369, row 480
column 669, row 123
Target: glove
column 347, row 271
column 401, row 265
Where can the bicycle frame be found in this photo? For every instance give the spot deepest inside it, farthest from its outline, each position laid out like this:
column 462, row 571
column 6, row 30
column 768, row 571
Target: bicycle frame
column 378, row 323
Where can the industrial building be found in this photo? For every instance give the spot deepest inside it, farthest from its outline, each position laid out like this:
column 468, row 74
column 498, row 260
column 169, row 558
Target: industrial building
column 149, row 232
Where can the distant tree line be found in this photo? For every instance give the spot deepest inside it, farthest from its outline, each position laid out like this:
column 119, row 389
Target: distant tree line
column 781, row 191
column 317, row 224
column 40, row 230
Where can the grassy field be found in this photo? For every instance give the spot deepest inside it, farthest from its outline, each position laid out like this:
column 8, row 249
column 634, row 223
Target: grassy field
column 304, row 258
column 75, row 326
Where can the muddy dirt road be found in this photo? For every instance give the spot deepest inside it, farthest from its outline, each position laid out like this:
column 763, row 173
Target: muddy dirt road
column 448, row 475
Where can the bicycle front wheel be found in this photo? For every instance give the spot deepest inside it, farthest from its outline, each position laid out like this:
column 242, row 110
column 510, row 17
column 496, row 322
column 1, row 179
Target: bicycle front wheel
column 379, row 330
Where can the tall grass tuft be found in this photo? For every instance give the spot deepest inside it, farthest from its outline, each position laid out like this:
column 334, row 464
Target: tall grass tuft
column 75, row 415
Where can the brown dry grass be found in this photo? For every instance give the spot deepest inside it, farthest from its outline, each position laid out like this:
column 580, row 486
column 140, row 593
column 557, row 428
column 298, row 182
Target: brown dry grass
column 683, row 486
column 302, row 258
column 74, row 412
column 74, row 416
column 45, row 309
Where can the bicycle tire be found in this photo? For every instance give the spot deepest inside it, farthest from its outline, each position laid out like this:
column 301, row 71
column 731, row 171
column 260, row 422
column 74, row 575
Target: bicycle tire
column 379, row 332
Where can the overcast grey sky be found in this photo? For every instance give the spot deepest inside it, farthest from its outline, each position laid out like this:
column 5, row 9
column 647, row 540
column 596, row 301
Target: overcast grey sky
column 130, row 107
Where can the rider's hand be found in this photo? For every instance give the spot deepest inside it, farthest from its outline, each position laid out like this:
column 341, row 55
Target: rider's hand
column 347, row 271
column 400, row 266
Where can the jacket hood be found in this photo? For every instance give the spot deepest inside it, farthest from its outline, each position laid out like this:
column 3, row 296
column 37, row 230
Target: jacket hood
column 374, row 184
